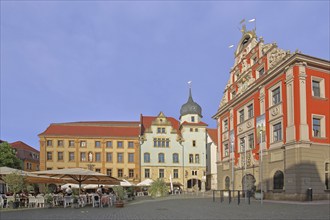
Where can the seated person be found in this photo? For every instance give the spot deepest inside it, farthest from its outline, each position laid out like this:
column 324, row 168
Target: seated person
column 68, row 191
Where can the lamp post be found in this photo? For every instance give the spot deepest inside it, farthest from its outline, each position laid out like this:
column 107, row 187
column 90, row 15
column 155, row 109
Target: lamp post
column 260, row 166
column 245, row 189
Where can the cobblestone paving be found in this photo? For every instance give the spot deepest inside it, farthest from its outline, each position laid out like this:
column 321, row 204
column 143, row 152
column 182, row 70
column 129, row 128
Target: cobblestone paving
column 180, row 207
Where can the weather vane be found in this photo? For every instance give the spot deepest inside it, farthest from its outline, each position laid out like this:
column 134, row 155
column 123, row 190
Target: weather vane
column 189, row 83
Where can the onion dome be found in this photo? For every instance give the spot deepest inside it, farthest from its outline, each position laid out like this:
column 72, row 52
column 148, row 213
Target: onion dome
column 190, row 107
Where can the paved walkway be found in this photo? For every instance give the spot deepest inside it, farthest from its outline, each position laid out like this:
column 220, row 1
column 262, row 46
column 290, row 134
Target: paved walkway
column 180, row 207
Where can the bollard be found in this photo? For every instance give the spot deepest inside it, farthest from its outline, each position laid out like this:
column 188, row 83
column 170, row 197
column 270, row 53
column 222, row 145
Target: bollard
column 213, row 196
column 229, row 194
column 239, row 197
column 249, row 196
column 221, row 196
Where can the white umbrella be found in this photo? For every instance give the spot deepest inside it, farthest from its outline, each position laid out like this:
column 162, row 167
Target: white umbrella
column 124, row 182
column 91, row 186
column 146, row 182
column 73, row 186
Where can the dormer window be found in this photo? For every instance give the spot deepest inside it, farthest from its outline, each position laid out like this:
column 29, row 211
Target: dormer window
column 192, row 118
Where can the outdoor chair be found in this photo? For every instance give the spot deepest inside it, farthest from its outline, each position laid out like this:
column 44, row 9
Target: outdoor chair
column 40, row 201
column 96, row 200
column 32, row 201
column 2, row 202
column 68, row 200
column 82, row 200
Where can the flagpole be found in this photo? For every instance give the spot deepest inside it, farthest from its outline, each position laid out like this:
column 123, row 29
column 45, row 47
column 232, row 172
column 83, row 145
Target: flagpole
column 260, row 166
column 245, row 188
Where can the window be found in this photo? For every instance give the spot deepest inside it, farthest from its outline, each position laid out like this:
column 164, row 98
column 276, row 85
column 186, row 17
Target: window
column 233, row 94
column 276, row 95
column 120, row 158
column 109, row 157
column 194, row 172
column 227, row 182
column 131, row 157
column 109, row 172
column 261, row 71
column 316, row 127
column 98, row 157
column 241, row 116
column 83, row 144
column 130, row 144
column 161, row 173
column 146, row 157
column 161, row 142
column 131, row 173
column 49, row 143
column 225, row 146
column 175, row 173
column 251, row 141
column 196, row 129
column 120, row 172
column 98, row 170
column 278, row 180
column 242, row 144
column 71, row 143
column 82, row 156
column 250, row 111
column 197, row 158
column 316, row 88
column 97, row 143
column 119, row 144
column 175, row 158
column 194, row 143
column 225, row 125
column 49, row 156
column 191, row 158
column 59, row 156
column 161, row 130
column 161, row 158
column 60, row 143
column 327, row 172
column 109, row 144
column 192, row 118
column 71, row 156
column 146, row 173
column 191, row 129
column 277, row 132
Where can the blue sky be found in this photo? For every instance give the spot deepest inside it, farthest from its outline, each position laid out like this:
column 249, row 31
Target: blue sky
column 113, row 60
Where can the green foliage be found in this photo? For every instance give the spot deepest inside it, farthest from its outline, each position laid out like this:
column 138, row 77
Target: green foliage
column 120, row 192
column 15, row 181
column 49, row 199
column 158, row 188
column 8, row 157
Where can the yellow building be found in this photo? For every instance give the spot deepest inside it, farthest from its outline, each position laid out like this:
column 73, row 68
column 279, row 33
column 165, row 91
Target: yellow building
column 111, row 148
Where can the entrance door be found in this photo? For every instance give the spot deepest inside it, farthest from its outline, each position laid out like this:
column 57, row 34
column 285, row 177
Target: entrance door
column 249, row 183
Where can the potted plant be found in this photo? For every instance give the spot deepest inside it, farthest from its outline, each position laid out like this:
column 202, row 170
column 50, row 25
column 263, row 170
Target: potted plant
column 120, row 195
column 49, row 200
column 158, row 188
column 16, row 183
column 258, row 194
column 75, row 201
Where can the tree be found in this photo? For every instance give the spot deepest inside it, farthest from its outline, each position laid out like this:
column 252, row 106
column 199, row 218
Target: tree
column 8, row 157
column 158, row 188
column 16, row 182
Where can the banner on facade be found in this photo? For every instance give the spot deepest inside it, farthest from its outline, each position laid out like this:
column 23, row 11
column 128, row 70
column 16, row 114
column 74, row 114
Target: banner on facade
column 261, row 126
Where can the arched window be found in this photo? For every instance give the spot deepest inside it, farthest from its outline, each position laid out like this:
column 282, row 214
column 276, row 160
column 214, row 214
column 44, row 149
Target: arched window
column 146, row 157
column 161, row 158
column 278, row 180
column 227, row 182
column 175, row 158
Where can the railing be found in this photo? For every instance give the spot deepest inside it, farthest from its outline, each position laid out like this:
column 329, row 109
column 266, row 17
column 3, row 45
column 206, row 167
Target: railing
column 231, row 195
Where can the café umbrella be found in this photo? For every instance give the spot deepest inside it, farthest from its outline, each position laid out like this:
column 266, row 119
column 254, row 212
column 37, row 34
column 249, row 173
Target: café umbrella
column 79, row 176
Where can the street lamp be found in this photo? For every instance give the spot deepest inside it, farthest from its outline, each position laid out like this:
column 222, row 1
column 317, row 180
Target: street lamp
column 260, row 166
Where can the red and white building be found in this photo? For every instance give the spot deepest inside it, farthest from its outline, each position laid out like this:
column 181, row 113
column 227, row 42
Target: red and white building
column 282, row 99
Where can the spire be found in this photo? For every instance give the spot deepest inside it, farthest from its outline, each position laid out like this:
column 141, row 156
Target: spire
column 190, row 107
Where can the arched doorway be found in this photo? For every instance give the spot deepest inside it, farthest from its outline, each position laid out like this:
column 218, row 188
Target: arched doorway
column 248, row 183
column 194, row 184
column 278, row 180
